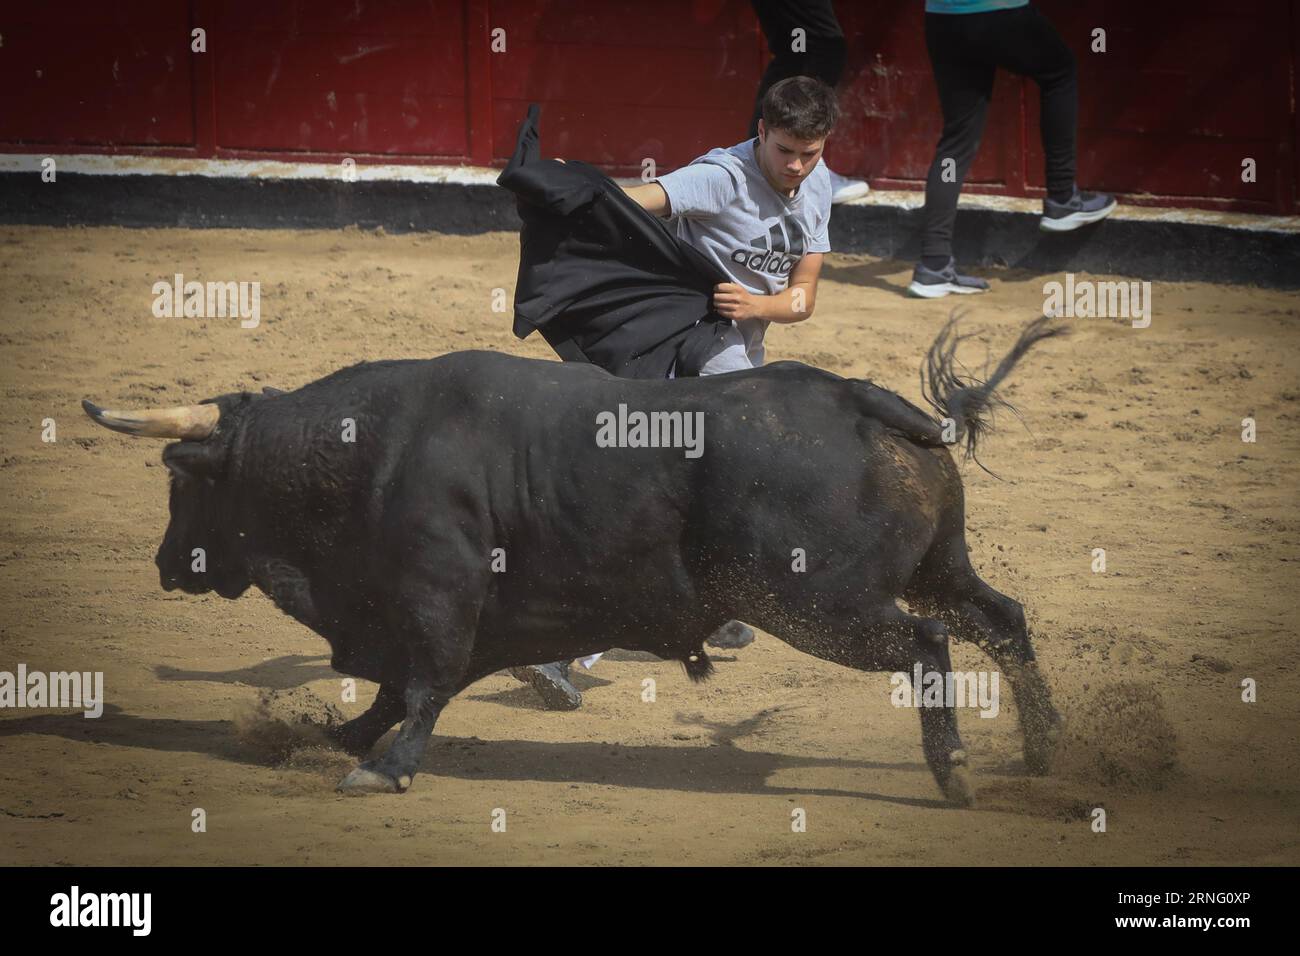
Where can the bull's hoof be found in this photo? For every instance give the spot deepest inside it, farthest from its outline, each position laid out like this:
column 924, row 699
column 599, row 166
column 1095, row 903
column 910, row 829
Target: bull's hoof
column 959, row 787
column 362, row 781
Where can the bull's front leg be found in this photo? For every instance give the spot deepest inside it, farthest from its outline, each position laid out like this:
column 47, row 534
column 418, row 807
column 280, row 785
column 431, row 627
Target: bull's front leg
column 358, row 735
column 394, row 771
column 443, row 637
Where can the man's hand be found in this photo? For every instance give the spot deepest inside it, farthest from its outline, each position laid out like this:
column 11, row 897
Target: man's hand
column 731, row 301
column 793, row 304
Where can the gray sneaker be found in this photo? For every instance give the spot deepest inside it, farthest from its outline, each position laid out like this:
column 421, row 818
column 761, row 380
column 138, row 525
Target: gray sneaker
column 1081, row 209
column 731, row 636
column 935, row 284
column 551, row 681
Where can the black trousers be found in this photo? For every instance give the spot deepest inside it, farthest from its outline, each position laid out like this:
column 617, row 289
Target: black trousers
column 824, row 41
column 965, row 51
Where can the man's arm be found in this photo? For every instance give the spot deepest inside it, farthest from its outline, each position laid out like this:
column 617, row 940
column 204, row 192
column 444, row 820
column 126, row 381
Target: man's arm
column 794, row 304
column 650, row 197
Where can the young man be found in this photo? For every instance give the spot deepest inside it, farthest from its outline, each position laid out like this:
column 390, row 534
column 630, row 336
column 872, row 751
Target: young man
column 968, row 40
column 760, row 211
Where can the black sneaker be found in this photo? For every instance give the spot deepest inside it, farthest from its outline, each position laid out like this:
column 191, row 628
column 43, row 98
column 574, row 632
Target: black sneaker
column 551, row 681
column 932, row 284
column 1081, row 209
column 731, row 636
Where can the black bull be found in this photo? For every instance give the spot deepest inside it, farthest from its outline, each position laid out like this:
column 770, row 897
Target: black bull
column 473, row 523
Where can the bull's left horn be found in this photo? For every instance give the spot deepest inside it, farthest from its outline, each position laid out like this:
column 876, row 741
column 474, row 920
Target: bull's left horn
column 186, row 422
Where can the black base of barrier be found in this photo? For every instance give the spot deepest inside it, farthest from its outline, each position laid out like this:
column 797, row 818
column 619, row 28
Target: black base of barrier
column 1156, row 250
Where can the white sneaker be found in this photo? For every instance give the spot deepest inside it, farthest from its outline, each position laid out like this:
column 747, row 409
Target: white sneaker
column 844, row 189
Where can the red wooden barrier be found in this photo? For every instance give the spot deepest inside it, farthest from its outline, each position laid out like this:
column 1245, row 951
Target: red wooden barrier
column 1184, row 93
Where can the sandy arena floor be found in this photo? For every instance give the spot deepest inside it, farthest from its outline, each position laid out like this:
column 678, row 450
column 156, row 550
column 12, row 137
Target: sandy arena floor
column 1131, row 442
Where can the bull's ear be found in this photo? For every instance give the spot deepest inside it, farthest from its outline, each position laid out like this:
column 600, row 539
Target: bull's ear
column 270, row 391
column 191, row 460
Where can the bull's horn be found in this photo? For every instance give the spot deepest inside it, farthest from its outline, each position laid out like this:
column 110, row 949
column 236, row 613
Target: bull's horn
column 186, row 422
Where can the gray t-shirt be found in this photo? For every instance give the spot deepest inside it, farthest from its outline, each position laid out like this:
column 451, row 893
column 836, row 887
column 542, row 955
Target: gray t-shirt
column 725, row 207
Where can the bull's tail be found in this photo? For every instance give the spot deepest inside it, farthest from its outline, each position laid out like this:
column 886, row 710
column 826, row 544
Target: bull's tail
column 698, row 666
column 970, row 402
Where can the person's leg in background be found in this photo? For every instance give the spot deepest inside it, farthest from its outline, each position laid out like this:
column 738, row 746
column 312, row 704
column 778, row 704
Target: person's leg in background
column 965, row 83
column 552, row 683
column 1027, row 44
column 823, row 58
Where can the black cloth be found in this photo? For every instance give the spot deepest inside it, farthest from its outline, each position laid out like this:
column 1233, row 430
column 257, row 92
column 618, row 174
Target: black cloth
column 823, row 44
column 965, row 51
column 603, row 280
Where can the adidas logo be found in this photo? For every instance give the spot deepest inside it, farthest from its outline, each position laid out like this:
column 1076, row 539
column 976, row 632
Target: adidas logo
column 769, row 253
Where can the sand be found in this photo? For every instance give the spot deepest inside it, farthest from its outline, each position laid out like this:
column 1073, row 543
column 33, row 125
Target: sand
column 1130, row 441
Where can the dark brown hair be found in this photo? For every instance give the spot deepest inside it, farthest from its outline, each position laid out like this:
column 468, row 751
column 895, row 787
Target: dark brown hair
column 802, row 106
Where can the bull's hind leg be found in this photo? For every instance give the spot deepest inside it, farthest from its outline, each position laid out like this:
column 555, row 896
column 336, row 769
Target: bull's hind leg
column 879, row 636
column 948, row 587
column 902, row 641
column 997, row 624
column 940, row 741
